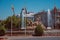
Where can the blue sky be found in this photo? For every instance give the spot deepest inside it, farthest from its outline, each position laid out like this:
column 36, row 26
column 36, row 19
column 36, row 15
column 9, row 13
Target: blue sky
column 31, row 6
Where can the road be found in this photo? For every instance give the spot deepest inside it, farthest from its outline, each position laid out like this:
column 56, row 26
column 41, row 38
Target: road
column 34, row 38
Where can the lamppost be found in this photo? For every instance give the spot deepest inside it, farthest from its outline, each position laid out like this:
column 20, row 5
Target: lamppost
column 11, row 18
column 25, row 12
column 11, row 26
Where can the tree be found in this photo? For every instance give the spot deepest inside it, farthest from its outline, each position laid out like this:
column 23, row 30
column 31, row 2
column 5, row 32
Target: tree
column 2, row 30
column 15, row 22
column 38, row 30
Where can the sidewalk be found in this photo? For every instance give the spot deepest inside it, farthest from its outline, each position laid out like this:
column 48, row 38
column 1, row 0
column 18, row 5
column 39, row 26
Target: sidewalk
column 24, row 37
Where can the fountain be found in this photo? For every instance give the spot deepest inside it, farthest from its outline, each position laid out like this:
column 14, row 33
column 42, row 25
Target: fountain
column 49, row 19
column 22, row 15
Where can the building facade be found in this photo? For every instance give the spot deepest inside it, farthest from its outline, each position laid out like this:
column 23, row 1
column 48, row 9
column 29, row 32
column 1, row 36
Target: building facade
column 42, row 16
column 55, row 18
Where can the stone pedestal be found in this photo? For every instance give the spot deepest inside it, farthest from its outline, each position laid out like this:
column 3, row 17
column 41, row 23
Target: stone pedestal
column 49, row 28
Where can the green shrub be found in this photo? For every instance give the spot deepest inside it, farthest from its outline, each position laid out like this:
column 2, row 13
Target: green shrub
column 2, row 31
column 38, row 31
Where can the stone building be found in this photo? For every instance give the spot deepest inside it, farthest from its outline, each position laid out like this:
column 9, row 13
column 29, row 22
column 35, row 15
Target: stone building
column 55, row 18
